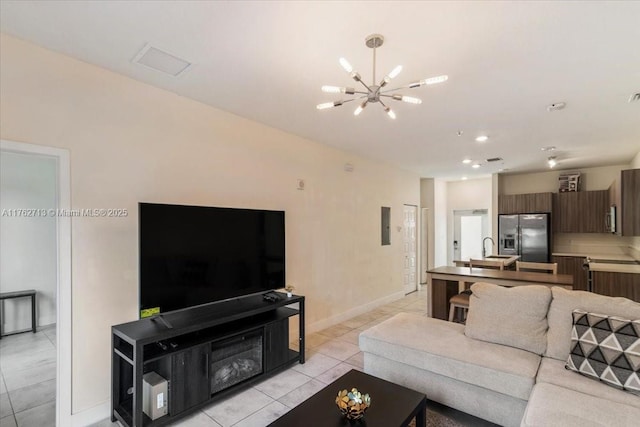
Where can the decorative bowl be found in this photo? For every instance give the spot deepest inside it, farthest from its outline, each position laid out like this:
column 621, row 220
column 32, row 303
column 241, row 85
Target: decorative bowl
column 353, row 404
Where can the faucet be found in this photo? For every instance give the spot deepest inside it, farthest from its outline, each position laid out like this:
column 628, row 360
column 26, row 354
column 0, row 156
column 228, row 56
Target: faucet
column 484, row 251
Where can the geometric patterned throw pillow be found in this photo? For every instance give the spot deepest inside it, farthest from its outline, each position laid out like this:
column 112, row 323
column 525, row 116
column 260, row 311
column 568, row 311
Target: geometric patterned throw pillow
column 606, row 348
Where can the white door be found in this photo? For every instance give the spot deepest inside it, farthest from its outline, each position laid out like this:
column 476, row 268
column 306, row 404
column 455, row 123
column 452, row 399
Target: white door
column 410, row 249
column 468, row 231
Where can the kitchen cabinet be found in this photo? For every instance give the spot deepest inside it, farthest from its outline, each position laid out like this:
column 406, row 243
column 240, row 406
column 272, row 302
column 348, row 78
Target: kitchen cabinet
column 573, row 265
column 525, row 203
column 581, row 212
column 616, row 284
column 630, row 200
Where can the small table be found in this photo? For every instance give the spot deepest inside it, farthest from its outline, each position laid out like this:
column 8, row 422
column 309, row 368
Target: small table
column 20, row 294
column 391, row 405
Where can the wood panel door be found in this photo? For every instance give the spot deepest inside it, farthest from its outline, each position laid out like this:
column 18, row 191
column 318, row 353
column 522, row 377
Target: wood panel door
column 410, row 242
column 189, row 378
column 630, row 188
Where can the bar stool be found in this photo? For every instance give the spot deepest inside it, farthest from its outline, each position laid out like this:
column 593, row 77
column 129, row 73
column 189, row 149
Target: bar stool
column 549, row 267
column 460, row 301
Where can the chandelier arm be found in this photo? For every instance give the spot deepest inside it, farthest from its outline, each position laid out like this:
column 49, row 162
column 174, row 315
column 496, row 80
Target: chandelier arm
column 382, row 103
column 365, row 85
column 382, row 92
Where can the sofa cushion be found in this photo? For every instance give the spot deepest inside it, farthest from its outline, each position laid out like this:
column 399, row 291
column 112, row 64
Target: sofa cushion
column 515, row 316
column 442, row 347
column 552, row 371
column 606, row 348
column 560, row 320
column 551, row 406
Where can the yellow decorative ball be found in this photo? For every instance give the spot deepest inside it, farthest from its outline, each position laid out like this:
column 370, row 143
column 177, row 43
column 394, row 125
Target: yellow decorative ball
column 353, row 404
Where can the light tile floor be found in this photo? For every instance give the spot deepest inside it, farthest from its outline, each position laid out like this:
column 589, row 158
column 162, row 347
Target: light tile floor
column 28, row 374
column 329, row 354
column 28, row 379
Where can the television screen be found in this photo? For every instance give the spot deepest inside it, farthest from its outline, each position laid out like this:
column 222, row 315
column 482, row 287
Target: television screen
column 192, row 255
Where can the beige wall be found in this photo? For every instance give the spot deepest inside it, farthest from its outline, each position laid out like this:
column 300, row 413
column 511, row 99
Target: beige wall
column 468, row 195
column 598, row 178
column 131, row 142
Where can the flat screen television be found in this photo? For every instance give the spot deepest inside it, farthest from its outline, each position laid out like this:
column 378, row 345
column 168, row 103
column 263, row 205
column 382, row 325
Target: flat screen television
column 193, row 255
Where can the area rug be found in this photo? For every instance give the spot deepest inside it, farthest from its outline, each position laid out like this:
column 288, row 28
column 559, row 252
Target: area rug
column 435, row 419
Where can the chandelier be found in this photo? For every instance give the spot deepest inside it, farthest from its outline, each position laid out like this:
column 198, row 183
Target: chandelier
column 375, row 92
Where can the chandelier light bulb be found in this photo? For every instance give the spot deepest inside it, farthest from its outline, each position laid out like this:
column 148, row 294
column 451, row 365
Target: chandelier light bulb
column 333, row 89
column 434, row 80
column 552, row 162
column 466, row 161
column 338, row 89
column 390, row 113
column 394, row 73
column 327, row 105
column 360, row 108
column 411, row 100
column 475, row 166
column 345, row 65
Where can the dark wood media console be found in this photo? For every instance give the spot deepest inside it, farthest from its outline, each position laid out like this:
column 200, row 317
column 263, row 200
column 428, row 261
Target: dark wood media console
column 204, row 353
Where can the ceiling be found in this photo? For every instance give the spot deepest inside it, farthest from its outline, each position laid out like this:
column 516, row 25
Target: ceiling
column 266, row 61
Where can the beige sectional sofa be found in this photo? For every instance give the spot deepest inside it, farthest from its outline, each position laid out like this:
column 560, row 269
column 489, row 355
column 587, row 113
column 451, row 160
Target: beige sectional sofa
column 507, row 365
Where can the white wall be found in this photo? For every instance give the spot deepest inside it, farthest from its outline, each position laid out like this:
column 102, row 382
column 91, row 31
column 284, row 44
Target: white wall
column 440, row 246
column 131, row 142
column 467, row 195
column 28, row 244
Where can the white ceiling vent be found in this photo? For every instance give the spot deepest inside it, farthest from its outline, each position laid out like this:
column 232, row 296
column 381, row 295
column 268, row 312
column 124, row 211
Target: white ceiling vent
column 162, row 61
column 635, row 97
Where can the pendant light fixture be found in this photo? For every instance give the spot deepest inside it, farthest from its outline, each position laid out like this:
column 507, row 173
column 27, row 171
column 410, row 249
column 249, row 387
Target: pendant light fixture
column 376, row 91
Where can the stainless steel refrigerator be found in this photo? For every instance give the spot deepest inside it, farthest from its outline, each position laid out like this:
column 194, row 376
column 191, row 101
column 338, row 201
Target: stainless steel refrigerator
column 526, row 235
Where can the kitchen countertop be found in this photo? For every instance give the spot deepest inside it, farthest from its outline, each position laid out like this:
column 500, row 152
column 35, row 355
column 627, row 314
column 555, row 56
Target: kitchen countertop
column 601, row 264
column 614, row 268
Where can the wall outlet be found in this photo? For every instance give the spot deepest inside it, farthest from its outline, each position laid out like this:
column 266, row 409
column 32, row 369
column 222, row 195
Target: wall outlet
column 301, row 184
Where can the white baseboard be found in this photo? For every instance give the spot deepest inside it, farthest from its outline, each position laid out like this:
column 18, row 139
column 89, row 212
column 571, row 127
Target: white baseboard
column 356, row 311
column 92, row 415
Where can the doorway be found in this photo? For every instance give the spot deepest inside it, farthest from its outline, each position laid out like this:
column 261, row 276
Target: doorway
column 469, row 228
column 410, row 242
column 62, row 268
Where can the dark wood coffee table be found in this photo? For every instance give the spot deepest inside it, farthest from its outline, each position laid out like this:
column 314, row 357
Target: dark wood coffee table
column 392, row 405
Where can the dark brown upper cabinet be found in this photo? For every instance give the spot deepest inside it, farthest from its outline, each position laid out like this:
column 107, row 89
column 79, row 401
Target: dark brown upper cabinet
column 581, row 212
column 525, row 203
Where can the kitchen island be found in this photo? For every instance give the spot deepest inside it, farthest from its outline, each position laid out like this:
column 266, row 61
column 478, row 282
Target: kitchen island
column 445, row 282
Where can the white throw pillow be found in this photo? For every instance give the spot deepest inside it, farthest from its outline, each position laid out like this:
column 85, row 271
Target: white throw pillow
column 515, row 316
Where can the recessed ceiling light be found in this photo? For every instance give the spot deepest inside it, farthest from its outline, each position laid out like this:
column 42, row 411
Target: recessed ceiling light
column 552, row 161
column 475, row 166
column 466, row 161
column 549, row 148
column 482, row 138
column 464, row 178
